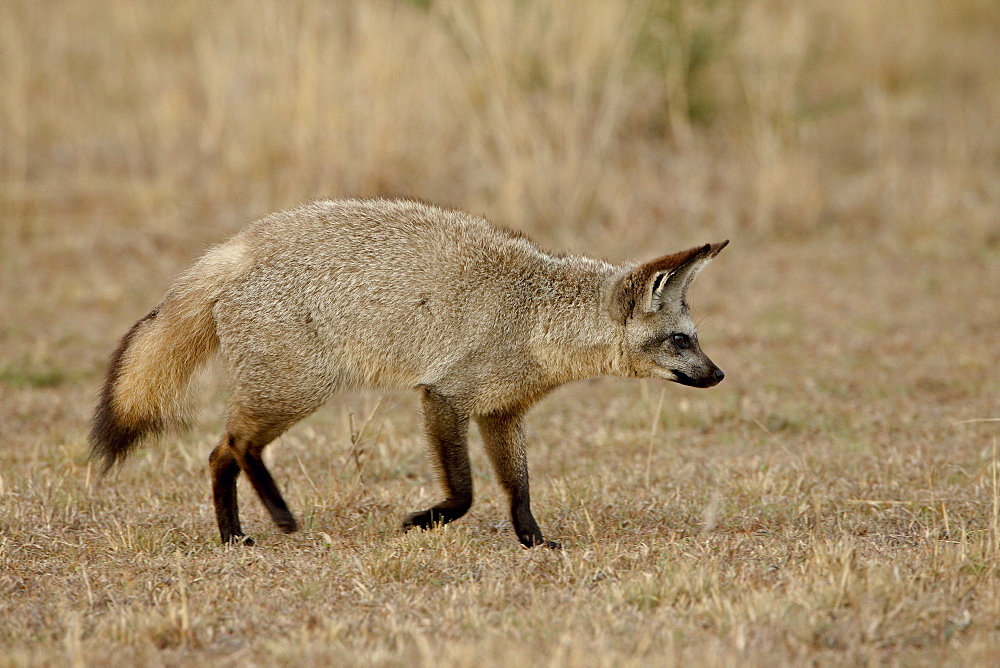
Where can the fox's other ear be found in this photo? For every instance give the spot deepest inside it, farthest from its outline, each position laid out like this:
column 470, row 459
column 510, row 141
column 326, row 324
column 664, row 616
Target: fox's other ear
column 663, row 280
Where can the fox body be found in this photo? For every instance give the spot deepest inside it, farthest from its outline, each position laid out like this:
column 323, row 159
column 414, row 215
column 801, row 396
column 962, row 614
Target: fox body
column 394, row 294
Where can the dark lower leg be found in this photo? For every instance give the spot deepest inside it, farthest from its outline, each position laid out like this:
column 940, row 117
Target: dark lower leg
column 267, row 490
column 225, row 471
column 446, row 429
column 503, row 437
column 524, row 522
column 249, row 437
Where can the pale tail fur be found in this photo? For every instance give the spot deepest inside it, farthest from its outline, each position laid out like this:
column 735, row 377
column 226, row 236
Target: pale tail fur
column 146, row 386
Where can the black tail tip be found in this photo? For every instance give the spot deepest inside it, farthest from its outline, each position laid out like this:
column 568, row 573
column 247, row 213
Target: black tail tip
column 111, row 440
column 111, row 437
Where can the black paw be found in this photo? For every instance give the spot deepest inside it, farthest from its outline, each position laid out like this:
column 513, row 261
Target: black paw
column 536, row 540
column 286, row 523
column 426, row 519
column 238, row 539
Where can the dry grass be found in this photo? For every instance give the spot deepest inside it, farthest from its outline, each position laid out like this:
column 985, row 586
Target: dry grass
column 833, row 501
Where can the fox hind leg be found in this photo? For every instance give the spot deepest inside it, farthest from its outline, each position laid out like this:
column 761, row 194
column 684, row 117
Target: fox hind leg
column 225, row 470
column 447, row 436
column 241, row 450
column 249, row 456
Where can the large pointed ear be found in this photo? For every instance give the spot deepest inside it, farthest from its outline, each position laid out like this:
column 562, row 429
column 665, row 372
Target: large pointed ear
column 661, row 281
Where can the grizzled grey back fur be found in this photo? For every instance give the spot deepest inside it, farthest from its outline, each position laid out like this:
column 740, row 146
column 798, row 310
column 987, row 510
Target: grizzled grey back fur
column 384, row 294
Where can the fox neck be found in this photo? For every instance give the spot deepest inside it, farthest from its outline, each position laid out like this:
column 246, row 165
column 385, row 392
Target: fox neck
column 574, row 338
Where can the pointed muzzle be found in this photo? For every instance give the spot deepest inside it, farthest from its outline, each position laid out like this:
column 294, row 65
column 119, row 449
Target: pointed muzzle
column 712, row 377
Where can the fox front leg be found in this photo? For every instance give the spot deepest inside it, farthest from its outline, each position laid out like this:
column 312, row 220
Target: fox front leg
column 503, row 436
column 447, row 437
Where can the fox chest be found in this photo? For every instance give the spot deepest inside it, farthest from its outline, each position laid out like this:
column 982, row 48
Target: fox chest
column 488, row 384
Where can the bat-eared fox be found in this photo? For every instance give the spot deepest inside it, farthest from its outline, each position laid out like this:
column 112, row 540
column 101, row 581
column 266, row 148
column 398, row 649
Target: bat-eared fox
column 394, row 294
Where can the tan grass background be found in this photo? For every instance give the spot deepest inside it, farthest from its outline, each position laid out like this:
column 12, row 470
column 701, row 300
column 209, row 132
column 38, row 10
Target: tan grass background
column 835, row 500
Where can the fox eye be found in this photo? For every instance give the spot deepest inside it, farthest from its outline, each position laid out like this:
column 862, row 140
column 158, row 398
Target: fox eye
column 682, row 340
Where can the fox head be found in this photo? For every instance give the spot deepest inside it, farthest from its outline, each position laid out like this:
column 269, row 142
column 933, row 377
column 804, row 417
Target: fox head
column 650, row 301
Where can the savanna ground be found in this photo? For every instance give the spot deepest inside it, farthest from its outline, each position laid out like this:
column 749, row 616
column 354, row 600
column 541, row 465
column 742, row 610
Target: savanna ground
column 835, row 500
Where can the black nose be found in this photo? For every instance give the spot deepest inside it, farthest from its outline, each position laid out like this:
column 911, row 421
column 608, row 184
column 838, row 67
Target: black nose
column 719, row 375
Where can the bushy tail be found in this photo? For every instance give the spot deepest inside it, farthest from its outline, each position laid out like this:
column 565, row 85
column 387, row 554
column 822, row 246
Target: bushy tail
column 148, row 377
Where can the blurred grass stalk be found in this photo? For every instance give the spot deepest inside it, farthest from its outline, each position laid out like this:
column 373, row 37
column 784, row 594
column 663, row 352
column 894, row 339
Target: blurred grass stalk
column 582, row 122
